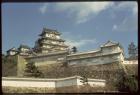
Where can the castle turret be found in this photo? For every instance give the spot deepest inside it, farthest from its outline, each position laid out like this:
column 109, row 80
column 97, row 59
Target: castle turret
column 12, row 51
column 49, row 41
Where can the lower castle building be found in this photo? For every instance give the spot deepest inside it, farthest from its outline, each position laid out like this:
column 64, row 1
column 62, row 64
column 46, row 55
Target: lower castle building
column 107, row 53
column 51, row 49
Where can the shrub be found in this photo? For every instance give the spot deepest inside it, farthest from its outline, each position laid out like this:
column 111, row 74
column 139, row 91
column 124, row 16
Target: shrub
column 32, row 71
column 128, row 83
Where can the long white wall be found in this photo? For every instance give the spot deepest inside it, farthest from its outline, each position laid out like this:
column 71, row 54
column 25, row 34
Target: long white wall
column 28, row 83
column 66, row 82
column 97, row 60
column 130, row 62
column 49, row 83
column 101, row 56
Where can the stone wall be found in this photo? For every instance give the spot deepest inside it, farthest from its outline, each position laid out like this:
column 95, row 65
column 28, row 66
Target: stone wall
column 131, row 66
column 130, row 61
column 111, row 72
column 21, row 66
column 101, row 71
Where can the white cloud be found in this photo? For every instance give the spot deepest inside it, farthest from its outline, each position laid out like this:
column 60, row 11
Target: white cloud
column 77, row 41
column 129, row 4
column 135, row 9
column 80, row 43
column 115, row 27
column 82, row 10
column 130, row 23
column 43, row 8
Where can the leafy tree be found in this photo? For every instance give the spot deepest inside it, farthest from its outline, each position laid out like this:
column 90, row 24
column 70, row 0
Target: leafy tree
column 132, row 50
column 3, row 58
column 8, row 59
column 74, row 49
column 86, row 87
column 64, row 64
column 128, row 83
column 32, row 71
column 84, row 80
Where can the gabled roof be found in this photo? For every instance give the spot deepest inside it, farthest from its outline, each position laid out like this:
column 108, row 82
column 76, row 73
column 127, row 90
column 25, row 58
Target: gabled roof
column 24, row 46
column 52, row 39
column 109, row 43
column 12, row 49
column 46, row 30
column 89, row 52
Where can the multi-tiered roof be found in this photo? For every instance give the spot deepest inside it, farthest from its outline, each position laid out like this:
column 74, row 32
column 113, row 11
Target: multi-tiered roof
column 50, row 41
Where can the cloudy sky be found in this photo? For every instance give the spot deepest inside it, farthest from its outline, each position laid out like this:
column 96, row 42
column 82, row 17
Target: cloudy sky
column 86, row 25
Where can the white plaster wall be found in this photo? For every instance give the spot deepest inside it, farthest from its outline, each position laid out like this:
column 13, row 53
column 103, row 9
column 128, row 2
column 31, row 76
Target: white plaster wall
column 131, row 62
column 58, row 37
column 78, row 82
column 109, row 59
column 50, row 83
column 97, row 60
column 24, row 49
column 12, row 53
column 44, row 46
column 54, row 42
column 107, row 55
column 47, row 35
column 95, row 84
column 108, row 50
column 44, row 51
column 68, row 82
column 121, row 57
column 28, row 83
column 62, row 48
column 44, row 63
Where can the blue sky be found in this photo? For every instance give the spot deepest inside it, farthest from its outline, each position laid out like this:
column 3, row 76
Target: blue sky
column 86, row 25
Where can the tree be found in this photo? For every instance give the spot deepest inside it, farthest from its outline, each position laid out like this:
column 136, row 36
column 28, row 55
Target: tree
column 128, row 83
column 3, row 58
column 8, row 59
column 74, row 49
column 32, row 71
column 84, row 80
column 132, row 50
column 86, row 87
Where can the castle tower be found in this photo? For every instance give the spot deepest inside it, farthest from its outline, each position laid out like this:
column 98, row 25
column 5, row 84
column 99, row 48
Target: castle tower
column 49, row 41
